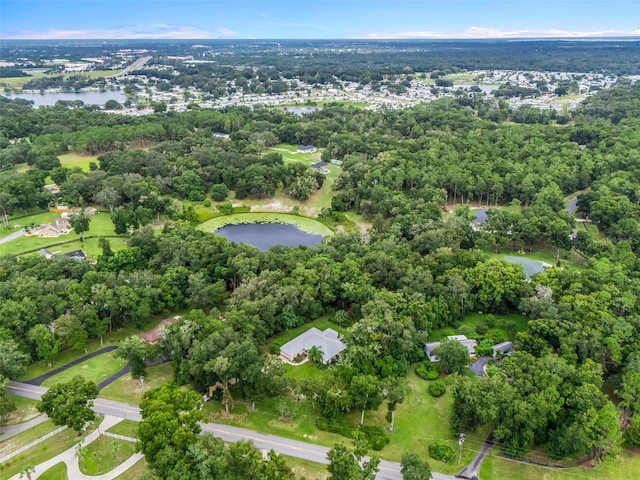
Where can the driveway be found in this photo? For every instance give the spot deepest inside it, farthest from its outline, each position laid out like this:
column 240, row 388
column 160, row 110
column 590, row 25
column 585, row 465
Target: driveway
column 12, row 236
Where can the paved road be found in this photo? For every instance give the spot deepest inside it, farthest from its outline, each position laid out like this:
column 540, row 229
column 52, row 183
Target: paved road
column 294, row 448
column 472, row 471
column 137, row 65
column 13, row 430
column 42, row 378
column 572, row 205
column 12, row 236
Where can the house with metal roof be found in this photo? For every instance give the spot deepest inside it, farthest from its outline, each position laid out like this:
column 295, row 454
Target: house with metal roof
column 306, row 149
column 328, row 341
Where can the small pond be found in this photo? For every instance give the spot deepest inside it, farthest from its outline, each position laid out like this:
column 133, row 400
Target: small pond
column 48, row 99
column 267, row 235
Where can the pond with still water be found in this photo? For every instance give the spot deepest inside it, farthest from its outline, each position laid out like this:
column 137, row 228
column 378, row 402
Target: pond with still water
column 267, row 235
column 48, row 99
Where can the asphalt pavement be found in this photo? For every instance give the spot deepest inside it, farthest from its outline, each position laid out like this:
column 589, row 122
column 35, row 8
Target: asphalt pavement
column 286, row 446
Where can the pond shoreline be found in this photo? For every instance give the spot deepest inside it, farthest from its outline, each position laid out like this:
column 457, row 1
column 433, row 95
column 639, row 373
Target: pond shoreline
column 306, row 224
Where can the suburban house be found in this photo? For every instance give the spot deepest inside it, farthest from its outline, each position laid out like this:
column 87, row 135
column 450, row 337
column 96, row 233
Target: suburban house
column 76, row 255
column 153, row 335
column 327, row 341
column 470, row 344
column 500, row 349
column 60, row 226
column 306, row 148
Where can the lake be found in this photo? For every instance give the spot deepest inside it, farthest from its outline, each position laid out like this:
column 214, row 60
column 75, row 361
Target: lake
column 48, row 99
column 267, row 235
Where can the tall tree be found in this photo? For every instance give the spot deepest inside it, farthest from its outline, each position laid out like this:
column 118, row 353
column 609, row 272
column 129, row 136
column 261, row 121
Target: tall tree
column 345, row 464
column 80, row 222
column 7, row 404
column 415, row 469
column 70, row 403
column 13, row 361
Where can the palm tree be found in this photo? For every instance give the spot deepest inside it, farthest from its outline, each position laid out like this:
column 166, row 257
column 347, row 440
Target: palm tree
column 27, row 471
column 315, row 355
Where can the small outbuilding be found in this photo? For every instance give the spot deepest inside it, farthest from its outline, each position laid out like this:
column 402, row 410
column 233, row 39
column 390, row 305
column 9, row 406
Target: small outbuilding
column 306, row 148
column 153, row 335
column 503, row 349
column 318, row 165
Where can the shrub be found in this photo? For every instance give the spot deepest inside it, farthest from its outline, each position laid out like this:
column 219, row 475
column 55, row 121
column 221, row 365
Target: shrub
column 437, row 389
column 376, row 437
column 274, row 348
column 225, row 208
column 207, row 203
column 441, row 451
column 219, row 192
column 482, row 328
column 427, row 371
column 335, row 426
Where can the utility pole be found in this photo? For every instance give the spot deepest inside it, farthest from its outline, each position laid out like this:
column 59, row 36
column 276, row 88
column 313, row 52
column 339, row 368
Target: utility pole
column 460, row 442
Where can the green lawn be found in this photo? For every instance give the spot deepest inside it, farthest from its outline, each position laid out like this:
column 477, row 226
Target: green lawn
column 57, row 472
column 71, row 160
column 471, row 321
column 104, row 454
column 112, row 338
column 95, row 369
column 306, row 370
column 135, row 472
column 306, row 224
column 101, row 225
column 44, row 451
column 128, row 390
column 625, row 466
column 306, row 469
column 26, row 410
column 21, row 222
column 25, row 438
column 128, row 428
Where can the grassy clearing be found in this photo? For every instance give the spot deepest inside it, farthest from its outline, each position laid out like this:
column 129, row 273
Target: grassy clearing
column 104, row 454
column 303, row 223
column 101, row 225
column 26, row 437
column 463, row 78
column 112, row 338
column 95, row 369
column 625, row 466
column 128, row 428
column 72, row 160
column 306, row 469
column 472, row 320
column 57, row 472
column 135, row 472
column 29, row 220
column 26, row 410
column 128, row 390
column 44, row 451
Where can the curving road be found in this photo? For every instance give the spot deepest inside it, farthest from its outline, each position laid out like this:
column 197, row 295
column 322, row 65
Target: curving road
column 294, row 448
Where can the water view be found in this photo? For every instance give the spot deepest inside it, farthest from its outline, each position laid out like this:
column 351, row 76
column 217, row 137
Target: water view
column 267, row 235
column 48, row 99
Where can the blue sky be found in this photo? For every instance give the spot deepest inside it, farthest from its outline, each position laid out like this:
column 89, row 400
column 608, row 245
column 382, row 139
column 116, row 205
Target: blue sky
column 48, row 19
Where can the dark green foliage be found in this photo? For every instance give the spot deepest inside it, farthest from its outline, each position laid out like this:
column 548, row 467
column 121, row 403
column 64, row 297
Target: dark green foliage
column 336, row 426
column 375, row 436
column 441, row 451
column 437, row 389
column 427, row 371
column 70, row 403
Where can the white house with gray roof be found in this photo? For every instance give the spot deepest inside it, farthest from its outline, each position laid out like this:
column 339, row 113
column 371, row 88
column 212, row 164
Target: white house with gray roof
column 328, row 341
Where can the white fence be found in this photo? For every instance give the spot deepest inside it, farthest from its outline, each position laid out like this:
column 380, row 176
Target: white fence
column 120, row 437
column 32, row 444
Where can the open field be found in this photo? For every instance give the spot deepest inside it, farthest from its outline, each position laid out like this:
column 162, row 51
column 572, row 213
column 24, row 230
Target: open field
column 71, row 160
column 44, row 451
column 57, row 472
column 306, row 224
column 128, row 390
column 105, row 454
column 26, row 410
column 18, row 82
column 95, row 369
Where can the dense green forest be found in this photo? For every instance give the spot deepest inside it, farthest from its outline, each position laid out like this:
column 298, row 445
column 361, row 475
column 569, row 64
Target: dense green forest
column 573, row 382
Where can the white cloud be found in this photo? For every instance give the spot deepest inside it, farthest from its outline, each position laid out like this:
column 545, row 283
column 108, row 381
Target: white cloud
column 154, row 31
column 480, row 32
